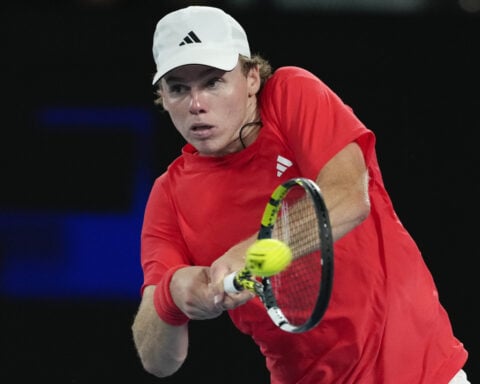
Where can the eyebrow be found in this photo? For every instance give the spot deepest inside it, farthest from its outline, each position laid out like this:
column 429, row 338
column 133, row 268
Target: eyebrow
column 207, row 71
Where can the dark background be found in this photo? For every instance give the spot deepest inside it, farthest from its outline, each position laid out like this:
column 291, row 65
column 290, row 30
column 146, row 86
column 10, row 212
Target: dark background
column 81, row 144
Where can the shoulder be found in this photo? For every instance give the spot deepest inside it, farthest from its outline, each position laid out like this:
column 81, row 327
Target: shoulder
column 160, row 184
column 293, row 85
column 292, row 79
column 292, row 73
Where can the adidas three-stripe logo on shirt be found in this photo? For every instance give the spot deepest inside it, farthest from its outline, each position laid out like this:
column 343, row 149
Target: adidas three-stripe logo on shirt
column 282, row 165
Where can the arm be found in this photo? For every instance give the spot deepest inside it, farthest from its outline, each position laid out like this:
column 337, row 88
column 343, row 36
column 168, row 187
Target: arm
column 162, row 347
column 343, row 182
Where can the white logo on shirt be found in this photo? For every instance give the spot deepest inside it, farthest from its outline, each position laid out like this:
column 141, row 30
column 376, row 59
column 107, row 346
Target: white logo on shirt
column 282, row 165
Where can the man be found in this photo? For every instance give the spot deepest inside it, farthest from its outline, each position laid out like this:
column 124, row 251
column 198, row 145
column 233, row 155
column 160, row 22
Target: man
column 384, row 323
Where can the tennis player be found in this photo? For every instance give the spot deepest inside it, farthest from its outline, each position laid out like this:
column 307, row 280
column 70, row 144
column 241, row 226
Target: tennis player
column 247, row 129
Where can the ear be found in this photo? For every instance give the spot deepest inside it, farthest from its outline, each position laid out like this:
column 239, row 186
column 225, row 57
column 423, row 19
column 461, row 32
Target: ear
column 159, row 96
column 253, row 81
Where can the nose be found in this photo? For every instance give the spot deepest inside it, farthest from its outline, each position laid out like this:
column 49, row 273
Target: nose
column 196, row 103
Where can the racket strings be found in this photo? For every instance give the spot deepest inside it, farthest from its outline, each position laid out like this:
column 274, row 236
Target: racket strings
column 297, row 226
column 297, row 287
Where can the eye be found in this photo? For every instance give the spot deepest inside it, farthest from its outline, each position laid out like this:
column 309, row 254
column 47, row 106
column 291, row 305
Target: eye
column 176, row 88
column 213, row 82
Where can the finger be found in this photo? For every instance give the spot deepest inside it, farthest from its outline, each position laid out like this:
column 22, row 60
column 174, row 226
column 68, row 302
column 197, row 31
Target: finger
column 217, row 272
column 234, row 300
column 204, row 311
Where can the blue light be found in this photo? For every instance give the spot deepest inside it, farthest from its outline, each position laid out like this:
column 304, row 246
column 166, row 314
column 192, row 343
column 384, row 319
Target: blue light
column 49, row 254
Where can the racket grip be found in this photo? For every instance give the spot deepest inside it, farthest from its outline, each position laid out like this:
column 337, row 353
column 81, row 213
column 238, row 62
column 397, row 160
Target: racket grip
column 230, row 285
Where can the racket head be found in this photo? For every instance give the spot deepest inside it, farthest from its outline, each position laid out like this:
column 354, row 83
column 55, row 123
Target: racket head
column 297, row 298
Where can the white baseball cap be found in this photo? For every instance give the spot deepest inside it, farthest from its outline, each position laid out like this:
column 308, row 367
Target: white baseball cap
column 198, row 35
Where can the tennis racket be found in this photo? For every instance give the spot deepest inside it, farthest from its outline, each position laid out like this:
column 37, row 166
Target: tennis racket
column 297, row 297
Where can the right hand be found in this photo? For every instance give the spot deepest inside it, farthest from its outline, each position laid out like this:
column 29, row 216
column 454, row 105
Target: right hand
column 233, row 260
column 191, row 293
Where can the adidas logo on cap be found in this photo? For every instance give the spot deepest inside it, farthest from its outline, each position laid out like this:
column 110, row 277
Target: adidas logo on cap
column 191, row 38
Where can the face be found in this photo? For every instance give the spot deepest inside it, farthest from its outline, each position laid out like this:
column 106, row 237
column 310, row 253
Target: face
column 208, row 106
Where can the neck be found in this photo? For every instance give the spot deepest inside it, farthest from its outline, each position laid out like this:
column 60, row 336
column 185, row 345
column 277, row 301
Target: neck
column 249, row 132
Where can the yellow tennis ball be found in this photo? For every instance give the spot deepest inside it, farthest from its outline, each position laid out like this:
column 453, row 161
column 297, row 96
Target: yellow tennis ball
column 266, row 257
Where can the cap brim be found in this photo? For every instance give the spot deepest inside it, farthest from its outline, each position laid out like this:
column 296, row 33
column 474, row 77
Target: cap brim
column 211, row 57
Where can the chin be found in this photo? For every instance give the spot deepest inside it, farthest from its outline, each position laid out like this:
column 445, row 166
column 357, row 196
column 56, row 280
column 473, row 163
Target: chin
column 205, row 149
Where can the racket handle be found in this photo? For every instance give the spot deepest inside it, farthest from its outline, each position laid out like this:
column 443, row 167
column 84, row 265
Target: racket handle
column 230, row 284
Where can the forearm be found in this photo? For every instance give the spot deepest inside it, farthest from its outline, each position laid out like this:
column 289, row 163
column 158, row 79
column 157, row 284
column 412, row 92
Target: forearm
column 344, row 186
column 347, row 211
column 162, row 347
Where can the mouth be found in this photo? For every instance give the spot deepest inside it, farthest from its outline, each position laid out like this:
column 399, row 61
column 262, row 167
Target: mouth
column 201, row 131
column 200, row 127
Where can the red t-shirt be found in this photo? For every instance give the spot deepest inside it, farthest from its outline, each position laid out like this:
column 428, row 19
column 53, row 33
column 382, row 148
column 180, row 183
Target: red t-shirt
column 385, row 323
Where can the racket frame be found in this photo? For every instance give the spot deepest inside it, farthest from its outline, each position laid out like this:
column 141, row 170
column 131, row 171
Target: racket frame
column 236, row 282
